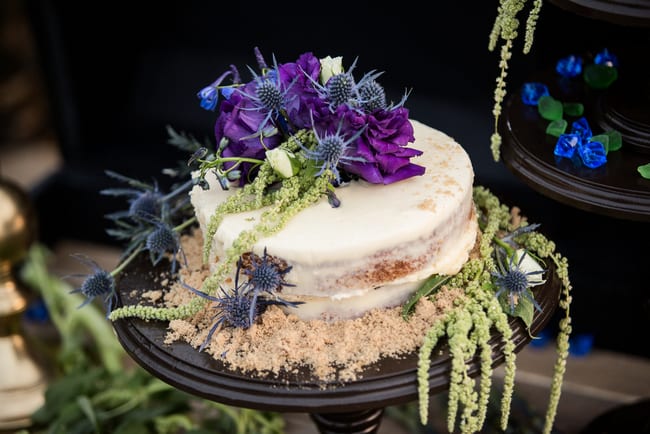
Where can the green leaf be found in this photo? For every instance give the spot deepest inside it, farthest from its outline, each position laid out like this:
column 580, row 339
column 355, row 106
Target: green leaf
column 644, row 170
column 87, row 408
column 524, row 309
column 427, row 288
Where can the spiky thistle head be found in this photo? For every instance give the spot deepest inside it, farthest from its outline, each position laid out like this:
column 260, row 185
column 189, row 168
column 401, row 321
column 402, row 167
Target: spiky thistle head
column 340, row 88
column 265, row 273
column 235, row 307
column 97, row 284
column 147, row 203
column 372, row 96
column 333, row 148
column 162, row 239
column 516, row 276
column 269, row 95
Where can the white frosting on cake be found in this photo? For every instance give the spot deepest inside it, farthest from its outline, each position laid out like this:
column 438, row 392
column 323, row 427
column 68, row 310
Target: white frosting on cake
column 377, row 247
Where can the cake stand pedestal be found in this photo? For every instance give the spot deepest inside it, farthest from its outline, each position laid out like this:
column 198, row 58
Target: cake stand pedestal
column 335, row 407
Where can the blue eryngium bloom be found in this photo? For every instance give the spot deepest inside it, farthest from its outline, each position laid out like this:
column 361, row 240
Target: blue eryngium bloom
column 209, row 95
column 264, row 276
column 232, row 309
column 333, row 148
column 99, row 283
column 515, row 277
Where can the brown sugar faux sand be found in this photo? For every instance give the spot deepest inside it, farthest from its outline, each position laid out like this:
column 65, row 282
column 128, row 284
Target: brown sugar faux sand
column 333, row 351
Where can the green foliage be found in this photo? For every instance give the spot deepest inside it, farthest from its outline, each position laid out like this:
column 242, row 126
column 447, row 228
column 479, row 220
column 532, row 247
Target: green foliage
column 96, row 390
column 428, row 288
column 467, row 328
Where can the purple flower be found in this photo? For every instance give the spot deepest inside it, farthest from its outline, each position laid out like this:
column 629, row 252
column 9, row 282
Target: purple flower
column 382, row 146
column 302, row 97
column 240, row 125
column 370, row 140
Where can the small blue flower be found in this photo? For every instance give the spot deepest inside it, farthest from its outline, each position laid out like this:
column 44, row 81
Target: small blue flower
column 516, row 277
column 99, row 283
column 209, row 95
column 163, row 239
column 342, row 89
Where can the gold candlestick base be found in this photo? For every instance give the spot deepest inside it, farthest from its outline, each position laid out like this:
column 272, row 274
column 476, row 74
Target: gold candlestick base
column 22, row 380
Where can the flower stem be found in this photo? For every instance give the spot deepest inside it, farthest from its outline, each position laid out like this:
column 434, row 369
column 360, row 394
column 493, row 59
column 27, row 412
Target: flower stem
column 126, row 262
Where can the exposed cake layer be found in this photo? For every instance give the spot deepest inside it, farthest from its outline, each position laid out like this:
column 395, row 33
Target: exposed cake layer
column 380, row 244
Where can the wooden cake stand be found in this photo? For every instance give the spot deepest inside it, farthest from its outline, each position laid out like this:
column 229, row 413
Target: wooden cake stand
column 335, row 407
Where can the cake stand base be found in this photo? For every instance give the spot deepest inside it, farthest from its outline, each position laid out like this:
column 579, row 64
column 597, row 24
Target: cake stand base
column 358, row 422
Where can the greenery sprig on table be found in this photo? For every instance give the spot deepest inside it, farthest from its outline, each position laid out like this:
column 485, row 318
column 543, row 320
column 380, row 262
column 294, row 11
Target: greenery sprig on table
column 95, row 389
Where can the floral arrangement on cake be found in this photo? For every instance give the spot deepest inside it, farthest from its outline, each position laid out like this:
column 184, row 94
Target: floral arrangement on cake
column 289, row 137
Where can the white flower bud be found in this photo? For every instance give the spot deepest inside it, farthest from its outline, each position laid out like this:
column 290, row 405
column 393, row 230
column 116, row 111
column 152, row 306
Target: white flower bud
column 283, row 162
column 330, row 66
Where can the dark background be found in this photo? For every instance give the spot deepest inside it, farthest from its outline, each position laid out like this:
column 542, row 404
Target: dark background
column 116, row 73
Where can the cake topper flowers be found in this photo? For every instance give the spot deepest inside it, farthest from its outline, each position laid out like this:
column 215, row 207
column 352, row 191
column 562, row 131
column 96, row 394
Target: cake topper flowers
column 356, row 132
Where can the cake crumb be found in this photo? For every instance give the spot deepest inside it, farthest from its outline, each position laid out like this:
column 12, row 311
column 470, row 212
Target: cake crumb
column 281, row 342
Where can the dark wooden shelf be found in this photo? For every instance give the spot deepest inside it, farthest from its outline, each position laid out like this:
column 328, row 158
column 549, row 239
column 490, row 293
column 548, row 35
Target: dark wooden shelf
column 615, row 189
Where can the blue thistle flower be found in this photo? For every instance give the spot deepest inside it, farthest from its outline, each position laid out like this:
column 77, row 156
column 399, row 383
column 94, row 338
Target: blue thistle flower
column 99, row 283
column 238, row 307
column 333, row 148
column 144, row 199
column 264, row 275
column 163, row 239
column 233, row 309
column 269, row 95
column 372, row 96
column 146, row 203
column 514, row 280
column 342, row 89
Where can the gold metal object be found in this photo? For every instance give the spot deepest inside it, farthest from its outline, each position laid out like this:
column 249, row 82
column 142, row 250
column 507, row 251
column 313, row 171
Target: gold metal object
column 22, row 380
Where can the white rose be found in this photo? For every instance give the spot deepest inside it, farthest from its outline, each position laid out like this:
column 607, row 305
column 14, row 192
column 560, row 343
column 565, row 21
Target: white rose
column 330, row 66
column 283, row 162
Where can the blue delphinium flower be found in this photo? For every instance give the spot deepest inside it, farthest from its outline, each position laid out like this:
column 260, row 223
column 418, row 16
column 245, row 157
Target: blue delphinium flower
column 515, row 277
column 99, row 283
column 209, row 95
